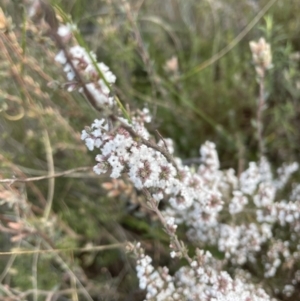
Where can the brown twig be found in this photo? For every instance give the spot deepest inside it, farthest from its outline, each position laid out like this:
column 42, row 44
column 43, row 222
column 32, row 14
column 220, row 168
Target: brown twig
column 174, row 239
column 259, row 112
column 49, row 251
column 59, row 174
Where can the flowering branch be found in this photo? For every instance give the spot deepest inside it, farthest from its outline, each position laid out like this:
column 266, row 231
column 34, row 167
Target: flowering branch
column 262, row 59
column 179, row 249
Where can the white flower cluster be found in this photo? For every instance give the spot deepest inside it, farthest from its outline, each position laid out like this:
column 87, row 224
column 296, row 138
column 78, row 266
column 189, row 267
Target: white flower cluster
column 202, row 280
column 238, row 202
column 278, row 250
column 282, row 212
column 147, row 167
column 96, row 76
column 239, row 243
column 199, row 200
column 284, row 173
column 255, row 187
column 158, row 283
column 262, row 56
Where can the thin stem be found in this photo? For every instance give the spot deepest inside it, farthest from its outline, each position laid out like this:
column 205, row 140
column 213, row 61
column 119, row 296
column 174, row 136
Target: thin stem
column 174, row 239
column 259, row 116
column 59, row 174
column 35, row 272
column 51, row 181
